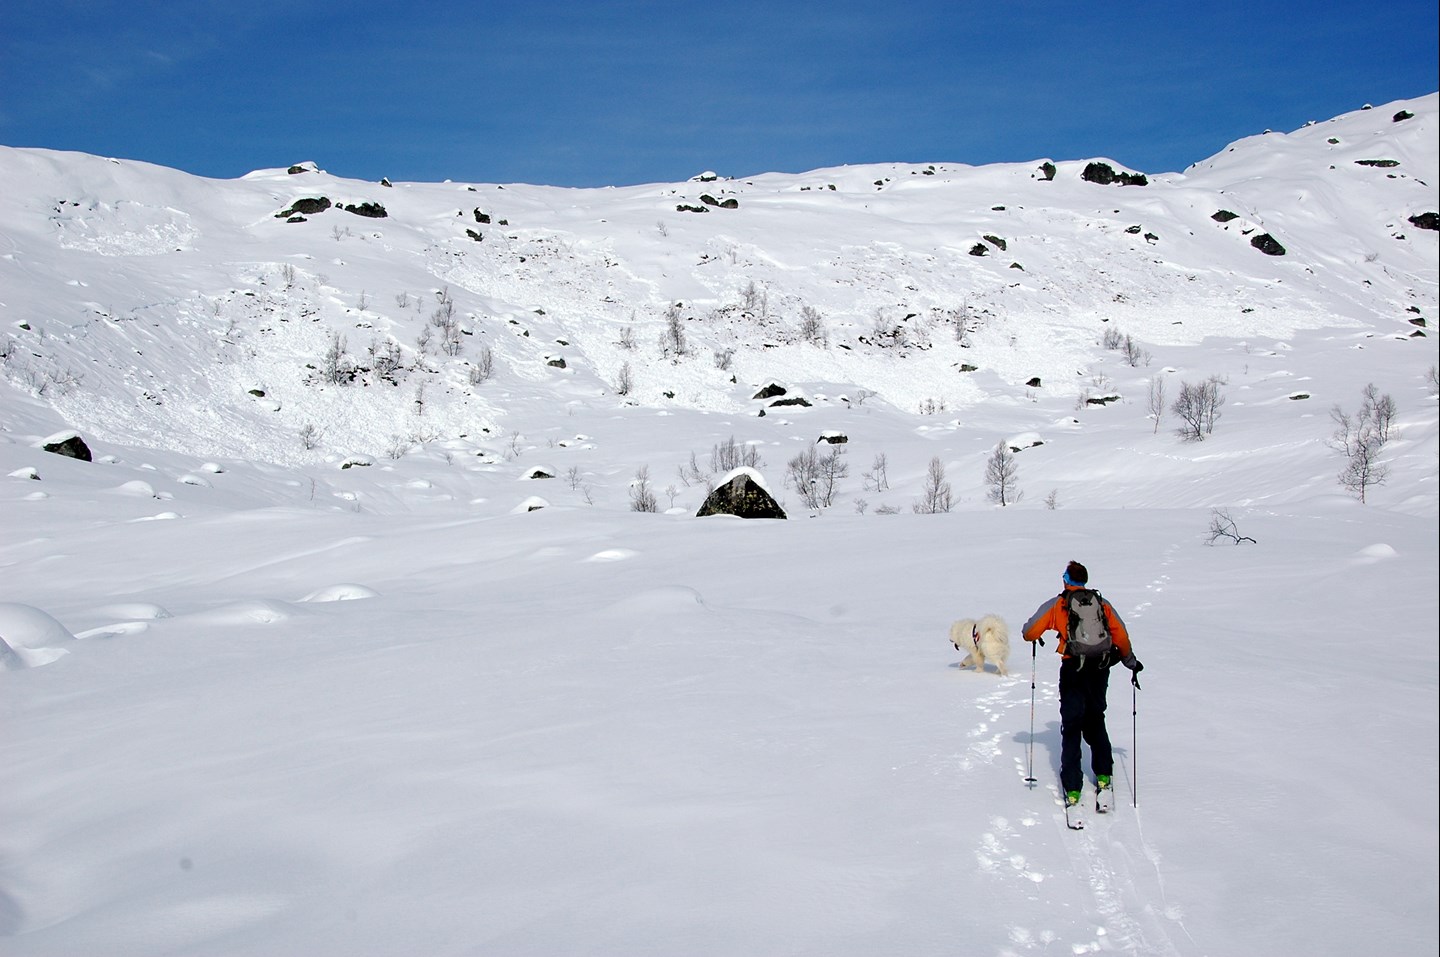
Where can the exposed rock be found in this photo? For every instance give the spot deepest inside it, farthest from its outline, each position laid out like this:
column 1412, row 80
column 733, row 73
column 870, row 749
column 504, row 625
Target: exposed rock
column 557, row 362
column 1133, row 230
column 298, row 169
column 1105, row 175
column 385, row 181
column 995, row 241
column 478, row 237
column 1429, row 220
column 794, row 400
column 770, row 391
column 1047, row 170
column 687, row 208
column 834, row 438
column 1034, row 383
column 1223, row 215
column 730, row 202
column 307, row 206
column 1382, row 164
column 740, row 494
column 1268, row 245
column 369, row 210
column 709, row 200
column 1402, row 115
column 482, row 218
column 68, row 444
column 979, row 249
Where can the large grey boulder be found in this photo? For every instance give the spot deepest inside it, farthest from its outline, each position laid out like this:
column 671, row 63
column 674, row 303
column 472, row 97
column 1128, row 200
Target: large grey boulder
column 741, row 493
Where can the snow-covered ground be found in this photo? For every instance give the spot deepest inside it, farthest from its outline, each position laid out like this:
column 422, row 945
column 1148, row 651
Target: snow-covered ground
column 257, row 702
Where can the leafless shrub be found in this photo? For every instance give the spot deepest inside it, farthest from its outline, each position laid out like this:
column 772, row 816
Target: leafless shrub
column 624, row 380
column 729, row 455
column 935, row 496
column 812, row 326
column 309, row 436
column 1360, row 438
column 483, row 368
column 878, row 478
column 816, row 477
column 1001, row 473
column 673, row 343
column 642, row 497
column 1134, row 355
column 1155, row 401
column 1197, row 408
column 1223, row 526
column 333, row 367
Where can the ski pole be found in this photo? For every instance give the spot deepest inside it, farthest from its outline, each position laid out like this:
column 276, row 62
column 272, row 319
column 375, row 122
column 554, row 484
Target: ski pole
column 1134, row 773
column 1030, row 748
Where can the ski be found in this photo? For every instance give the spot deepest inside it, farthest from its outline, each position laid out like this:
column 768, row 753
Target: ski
column 1102, row 800
column 1074, row 820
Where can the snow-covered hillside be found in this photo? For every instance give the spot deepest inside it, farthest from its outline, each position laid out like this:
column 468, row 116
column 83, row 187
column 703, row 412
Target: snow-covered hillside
column 349, row 639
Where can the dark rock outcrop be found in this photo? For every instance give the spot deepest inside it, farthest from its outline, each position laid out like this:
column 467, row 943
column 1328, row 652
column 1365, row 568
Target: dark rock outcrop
column 770, row 391
column 368, row 210
column 1430, row 220
column 1268, row 245
column 1223, row 215
column 307, row 206
column 1104, row 174
column 71, row 446
column 741, row 496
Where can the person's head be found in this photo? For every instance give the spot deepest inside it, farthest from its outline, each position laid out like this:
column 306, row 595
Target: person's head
column 1076, row 575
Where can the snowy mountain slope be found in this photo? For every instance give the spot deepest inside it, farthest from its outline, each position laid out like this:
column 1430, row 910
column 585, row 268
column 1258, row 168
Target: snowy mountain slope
column 365, row 698
column 113, row 263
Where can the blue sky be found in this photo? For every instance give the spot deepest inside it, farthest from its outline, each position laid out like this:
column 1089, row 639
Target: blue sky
column 632, row 91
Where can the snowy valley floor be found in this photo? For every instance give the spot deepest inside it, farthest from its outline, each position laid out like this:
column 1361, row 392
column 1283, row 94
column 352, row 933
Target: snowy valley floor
column 580, row 732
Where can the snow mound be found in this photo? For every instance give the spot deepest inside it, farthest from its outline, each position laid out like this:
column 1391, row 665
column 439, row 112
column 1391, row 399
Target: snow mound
column 345, row 591
column 25, row 626
column 26, row 637
column 1371, row 554
column 136, row 611
column 262, row 611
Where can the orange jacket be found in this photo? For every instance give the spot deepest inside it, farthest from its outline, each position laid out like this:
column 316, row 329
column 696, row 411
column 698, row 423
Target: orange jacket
column 1054, row 616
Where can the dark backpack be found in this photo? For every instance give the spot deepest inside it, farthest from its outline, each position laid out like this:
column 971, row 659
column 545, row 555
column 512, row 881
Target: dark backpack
column 1088, row 635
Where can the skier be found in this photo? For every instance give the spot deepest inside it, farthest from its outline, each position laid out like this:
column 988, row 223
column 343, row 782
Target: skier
column 1092, row 639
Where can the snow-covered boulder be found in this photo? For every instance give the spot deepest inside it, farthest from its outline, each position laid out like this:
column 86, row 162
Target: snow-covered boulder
column 741, row 492
column 29, row 636
column 68, row 444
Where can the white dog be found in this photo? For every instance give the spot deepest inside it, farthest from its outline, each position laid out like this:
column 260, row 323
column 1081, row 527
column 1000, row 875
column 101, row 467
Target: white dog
column 985, row 640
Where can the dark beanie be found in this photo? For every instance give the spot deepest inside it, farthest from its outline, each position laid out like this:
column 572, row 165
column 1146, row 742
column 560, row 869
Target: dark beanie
column 1076, row 573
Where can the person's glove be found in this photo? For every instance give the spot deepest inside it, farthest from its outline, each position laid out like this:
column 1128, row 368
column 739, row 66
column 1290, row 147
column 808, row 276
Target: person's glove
column 1135, row 667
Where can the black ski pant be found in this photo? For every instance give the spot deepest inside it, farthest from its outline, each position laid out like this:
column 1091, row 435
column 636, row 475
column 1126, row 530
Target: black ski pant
column 1083, row 683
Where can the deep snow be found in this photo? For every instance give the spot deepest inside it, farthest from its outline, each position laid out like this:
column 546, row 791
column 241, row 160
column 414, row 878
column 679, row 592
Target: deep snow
column 257, row 703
